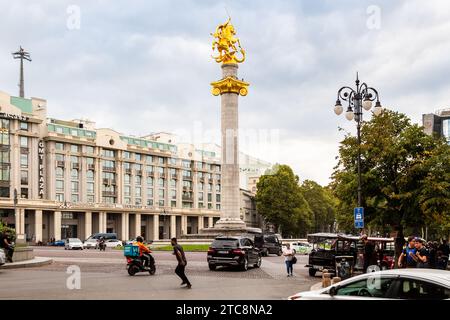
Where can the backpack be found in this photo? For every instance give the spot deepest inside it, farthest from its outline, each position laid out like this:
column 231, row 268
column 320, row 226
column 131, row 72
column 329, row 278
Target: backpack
column 294, row 260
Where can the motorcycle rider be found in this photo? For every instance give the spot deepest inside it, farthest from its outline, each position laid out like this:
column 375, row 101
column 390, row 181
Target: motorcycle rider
column 102, row 243
column 144, row 252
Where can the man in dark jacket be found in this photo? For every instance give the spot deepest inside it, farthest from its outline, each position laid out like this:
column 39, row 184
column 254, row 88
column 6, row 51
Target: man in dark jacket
column 181, row 258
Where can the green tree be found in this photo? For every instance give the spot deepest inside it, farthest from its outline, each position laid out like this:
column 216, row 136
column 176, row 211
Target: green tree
column 322, row 205
column 280, row 201
column 404, row 175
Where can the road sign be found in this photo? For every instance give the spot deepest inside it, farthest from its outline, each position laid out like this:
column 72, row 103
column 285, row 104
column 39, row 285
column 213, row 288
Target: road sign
column 359, row 218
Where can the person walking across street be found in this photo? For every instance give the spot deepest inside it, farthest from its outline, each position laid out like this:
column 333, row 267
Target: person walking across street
column 289, row 255
column 422, row 254
column 406, row 259
column 182, row 262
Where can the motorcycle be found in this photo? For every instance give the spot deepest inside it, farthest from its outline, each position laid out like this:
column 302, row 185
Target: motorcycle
column 136, row 264
column 102, row 245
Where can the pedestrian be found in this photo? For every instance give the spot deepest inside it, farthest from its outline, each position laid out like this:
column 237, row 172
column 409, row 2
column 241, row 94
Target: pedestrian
column 406, row 259
column 6, row 245
column 289, row 255
column 422, row 254
column 432, row 250
column 369, row 252
column 182, row 262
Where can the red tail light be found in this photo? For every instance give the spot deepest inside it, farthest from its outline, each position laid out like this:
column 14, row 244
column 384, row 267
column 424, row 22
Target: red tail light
column 129, row 260
column 211, row 250
column 238, row 251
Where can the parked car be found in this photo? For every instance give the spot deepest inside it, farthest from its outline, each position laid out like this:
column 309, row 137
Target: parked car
column 233, row 251
column 73, row 243
column 59, row 243
column 106, row 236
column 267, row 243
column 415, row 284
column 113, row 243
column 91, row 243
column 302, row 247
column 2, row 257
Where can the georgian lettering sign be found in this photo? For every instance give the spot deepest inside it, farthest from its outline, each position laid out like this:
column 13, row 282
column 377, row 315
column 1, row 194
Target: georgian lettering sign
column 41, row 151
column 13, row 116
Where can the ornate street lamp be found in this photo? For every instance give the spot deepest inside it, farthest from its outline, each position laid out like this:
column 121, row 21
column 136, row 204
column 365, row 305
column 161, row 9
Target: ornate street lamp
column 359, row 99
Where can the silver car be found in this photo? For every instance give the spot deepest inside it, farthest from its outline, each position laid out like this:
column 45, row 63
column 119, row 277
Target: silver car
column 409, row 284
column 2, row 257
column 73, row 243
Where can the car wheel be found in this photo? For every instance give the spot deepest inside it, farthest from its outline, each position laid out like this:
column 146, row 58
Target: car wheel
column 279, row 253
column 132, row 270
column 312, row 272
column 152, row 270
column 244, row 265
column 212, row 267
column 258, row 262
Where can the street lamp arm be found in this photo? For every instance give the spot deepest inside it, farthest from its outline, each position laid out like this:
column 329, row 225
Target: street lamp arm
column 370, row 93
column 345, row 93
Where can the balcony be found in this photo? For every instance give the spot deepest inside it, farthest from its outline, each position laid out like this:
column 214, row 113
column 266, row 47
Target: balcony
column 174, row 176
column 109, row 194
column 109, row 169
column 60, row 164
column 187, row 198
column 187, row 178
column 139, row 172
column 187, row 189
column 91, row 166
column 75, row 165
column 150, row 174
column 127, row 170
column 201, row 179
column 24, row 181
column 162, row 175
column 109, row 182
column 219, row 181
column 210, row 180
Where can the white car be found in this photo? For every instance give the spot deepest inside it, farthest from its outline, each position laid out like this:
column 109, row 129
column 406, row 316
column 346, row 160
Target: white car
column 2, row 257
column 416, row 284
column 73, row 243
column 113, row 243
column 91, row 243
column 302, row 247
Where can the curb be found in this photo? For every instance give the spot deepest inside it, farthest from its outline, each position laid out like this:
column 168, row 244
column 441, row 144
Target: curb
column 36, row 262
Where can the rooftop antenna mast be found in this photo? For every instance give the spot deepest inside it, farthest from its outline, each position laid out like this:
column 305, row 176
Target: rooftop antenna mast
column 21, row 54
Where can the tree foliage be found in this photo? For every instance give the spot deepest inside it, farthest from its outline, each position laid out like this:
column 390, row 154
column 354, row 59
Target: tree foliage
column 280, row 201
column 405, row 175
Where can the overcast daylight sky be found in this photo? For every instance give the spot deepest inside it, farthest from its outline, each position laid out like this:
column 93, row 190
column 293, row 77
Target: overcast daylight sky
column 145, row 66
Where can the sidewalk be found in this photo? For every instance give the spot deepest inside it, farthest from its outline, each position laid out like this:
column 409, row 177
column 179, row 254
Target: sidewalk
column 36, row 262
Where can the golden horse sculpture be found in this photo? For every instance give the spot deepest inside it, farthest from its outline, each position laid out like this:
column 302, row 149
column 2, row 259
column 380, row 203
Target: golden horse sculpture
column 225, row 43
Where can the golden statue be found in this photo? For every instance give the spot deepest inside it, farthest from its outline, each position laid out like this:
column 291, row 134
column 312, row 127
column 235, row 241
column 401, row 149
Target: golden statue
column 225, row 43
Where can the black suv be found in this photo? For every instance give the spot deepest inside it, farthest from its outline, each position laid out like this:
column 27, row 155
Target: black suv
column 233, row 251
column 268, row 243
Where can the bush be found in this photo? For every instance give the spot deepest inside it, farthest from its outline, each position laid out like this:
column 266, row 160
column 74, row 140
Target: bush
column 10, row 231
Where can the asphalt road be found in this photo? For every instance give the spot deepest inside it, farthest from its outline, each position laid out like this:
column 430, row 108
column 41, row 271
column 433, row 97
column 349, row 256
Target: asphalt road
column 103, row 276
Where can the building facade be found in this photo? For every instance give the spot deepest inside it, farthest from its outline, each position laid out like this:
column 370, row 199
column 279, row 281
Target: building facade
column 438, row 123
column 63, row 179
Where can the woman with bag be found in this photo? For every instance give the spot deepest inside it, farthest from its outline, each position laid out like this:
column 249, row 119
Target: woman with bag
column 289, row 259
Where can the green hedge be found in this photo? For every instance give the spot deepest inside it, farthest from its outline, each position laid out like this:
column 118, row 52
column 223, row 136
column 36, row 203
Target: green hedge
column 8, row 230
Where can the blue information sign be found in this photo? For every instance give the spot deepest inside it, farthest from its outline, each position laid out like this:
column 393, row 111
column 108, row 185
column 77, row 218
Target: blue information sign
column 359, row 218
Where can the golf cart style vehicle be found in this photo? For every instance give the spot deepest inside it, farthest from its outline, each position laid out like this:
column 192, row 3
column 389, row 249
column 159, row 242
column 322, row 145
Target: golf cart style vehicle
column 343, row 254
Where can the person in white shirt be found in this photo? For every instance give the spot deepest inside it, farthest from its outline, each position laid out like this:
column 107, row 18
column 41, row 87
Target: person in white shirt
column 289, row 254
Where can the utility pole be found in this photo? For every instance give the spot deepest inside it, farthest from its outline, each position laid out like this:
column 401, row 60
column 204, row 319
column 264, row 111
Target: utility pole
column 21, row 54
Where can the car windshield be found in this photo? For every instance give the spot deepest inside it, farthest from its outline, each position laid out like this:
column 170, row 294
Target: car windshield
column 225, row 243
column 74, row 240
column 271, row 239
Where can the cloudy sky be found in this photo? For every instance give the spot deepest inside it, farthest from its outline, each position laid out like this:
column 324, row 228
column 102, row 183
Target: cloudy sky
column 145, row 66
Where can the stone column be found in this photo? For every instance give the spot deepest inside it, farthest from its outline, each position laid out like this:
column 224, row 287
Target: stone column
column 173, row 227
column 156, row 226
column 102, row 222
column 200, row 223
column 87, row 224
column 38, row 225
column 124, row 226
column 137, row 224
column 57, row 225
column 20, row 222
column 210, row 222
column 230, row 214
column 183, row 224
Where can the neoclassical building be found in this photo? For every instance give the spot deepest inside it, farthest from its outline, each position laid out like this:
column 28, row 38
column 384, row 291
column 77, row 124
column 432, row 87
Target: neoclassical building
column 64, row 179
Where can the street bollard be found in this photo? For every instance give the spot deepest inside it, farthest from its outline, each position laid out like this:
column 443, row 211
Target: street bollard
column 326, row 280
column 335, row 280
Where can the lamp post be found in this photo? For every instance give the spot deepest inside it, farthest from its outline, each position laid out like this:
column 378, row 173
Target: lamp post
column 359, row 99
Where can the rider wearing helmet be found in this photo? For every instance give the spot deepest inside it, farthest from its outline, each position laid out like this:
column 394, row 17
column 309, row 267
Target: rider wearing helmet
column 144, row 252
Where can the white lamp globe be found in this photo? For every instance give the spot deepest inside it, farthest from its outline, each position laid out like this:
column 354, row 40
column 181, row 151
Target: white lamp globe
column 378, row 109
column 338, row 109
column 349, row 115
column 367, row 104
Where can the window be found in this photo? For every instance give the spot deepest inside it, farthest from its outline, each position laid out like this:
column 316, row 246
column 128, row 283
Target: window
column 420, row 290
column 218, row 188
column 108, row 153
column 59, row 146
column 187, row 174
column 59, row 185
column 90, row 161
column 90, row 187
column 127, row 155
column 217, row 197
column 201, row 205
column 127, row 191
column 209, row 197
column 209, row 187
column 90, row 175
column 74, row 148
column 23, row 126
column 210, row 206
column 23, row 177
column 161, row 193
column 74, row 160
column 127, row 179
column 74, row 174
column 90, row 198
column 59, row 172
column 59, row 157
column 89, row 149
column 149, row 168
column 24, row 142
column 59, row 130
column 200, row 196
column 74, row 185
column 74, row 198
column 200, row 165
column 137, row 192
column 200, row 186
column 127, row 165
column 173, row 194
column 59, row 197
column 173, row 161
column 138, row 201
column 186, row 164
column 160, row 160
column 173, row 204
column 4, row 157
column 138, row 157
column 150, row 202
column 24, row 160
column 138, row 180
column 161, row 202
column 374, row 287
column 187, row 184
column 150, row 193
column 161, row 170
column 161, row 182
column 149, row 181
column 173, row 183
column 149, row 159
column 138, row 166
column 217, row 206
column 127, row 200
column 24, row 193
